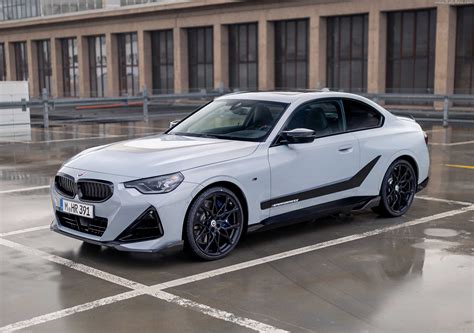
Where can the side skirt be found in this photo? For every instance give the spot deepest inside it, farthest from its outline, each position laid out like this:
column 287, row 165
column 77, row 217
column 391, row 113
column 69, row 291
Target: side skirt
column 321, row 210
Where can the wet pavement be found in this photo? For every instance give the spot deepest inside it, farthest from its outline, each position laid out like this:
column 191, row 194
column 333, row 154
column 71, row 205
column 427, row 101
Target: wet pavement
column 356, row 272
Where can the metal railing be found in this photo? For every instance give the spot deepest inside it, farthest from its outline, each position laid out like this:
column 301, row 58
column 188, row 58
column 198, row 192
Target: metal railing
column 144, row 99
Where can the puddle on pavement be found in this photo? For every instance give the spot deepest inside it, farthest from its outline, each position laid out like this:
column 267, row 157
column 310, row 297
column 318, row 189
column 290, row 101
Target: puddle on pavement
column 441, row 232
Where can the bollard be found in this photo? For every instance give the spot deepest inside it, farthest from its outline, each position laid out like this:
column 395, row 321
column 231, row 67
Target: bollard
column 45, row 109
column 445, row 111
column 145, row 103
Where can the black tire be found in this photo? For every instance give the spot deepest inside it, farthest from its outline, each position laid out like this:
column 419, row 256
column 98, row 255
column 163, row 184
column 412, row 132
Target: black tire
column 398, row 189
column 214, row 224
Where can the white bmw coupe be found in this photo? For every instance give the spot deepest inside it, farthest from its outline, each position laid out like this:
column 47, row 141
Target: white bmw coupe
column 242, row 162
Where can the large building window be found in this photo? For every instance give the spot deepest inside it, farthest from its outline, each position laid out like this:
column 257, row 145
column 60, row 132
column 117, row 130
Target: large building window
column 21, row 9
column 464, row 67
column 162, row 61
column 43, row 49
column 128, row 63
column 411, row 51
column 3, row 66
column 347, row 53
column 200, row 58
column 243, row 56
column 97, row 66
column 69, row 67
column 291, row 54
column 21, row 61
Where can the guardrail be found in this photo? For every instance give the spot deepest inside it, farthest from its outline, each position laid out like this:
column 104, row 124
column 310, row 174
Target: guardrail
column 447, row 99
column 144, row 99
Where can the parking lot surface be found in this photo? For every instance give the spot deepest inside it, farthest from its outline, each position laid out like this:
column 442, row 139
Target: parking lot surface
column 349, row 272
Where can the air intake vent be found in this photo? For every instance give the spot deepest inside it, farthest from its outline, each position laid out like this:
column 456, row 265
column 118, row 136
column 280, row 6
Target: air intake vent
column 95, row 226
column 147, row 226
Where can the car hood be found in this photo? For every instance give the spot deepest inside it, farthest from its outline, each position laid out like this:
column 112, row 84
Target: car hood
column 159, row 155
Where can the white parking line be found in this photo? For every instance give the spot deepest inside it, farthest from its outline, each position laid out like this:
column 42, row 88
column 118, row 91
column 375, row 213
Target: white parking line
column 452, row 202
column 138, row 288
column 451, row 144
column 24, row 189
column 21, row 325
column 22, row 231
column 157, row 290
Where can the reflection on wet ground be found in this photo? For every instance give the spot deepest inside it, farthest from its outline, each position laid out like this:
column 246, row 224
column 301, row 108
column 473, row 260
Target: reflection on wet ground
column 412, row 279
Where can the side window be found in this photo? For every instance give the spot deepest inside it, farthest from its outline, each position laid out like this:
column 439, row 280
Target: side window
column 360, row 115
column 325, row 118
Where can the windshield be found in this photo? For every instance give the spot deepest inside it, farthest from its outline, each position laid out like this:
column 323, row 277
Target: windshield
column 232, row 119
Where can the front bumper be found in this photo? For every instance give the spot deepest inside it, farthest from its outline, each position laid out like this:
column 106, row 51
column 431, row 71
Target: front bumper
column 123, row 209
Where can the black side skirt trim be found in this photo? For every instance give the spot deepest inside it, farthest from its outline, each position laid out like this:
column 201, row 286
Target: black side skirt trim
column 321, row 210
column 348, row 184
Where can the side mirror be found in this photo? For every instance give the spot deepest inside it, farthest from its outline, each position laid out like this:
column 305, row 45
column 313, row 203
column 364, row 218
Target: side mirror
column 174, row 123
column 299, row 135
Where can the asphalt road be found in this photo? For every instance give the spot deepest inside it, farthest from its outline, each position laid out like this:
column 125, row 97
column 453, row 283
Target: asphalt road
column 355, row 272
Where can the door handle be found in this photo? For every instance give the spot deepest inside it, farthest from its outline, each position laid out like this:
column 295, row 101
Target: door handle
column 345, row 149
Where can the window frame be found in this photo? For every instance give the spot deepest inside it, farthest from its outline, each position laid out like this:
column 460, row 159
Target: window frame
column 275, row 141
column 340, row 100
column 70, row 70
column 158, row 62
column 195, row 64
column 3, row 63
column 382, row 117
column 20, row 50
column 283, row 60
column 234, row 60
column 95, row 67
column 334, row 78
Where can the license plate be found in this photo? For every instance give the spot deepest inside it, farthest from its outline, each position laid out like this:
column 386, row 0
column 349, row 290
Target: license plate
column 76, row 208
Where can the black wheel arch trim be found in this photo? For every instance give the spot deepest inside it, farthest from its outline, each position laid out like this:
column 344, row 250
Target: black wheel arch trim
column 353, row 182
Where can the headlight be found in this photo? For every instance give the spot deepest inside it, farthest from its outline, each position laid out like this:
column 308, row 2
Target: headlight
column 156, row 185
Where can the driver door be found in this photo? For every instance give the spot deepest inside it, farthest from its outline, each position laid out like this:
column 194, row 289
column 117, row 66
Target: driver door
column 308, row 174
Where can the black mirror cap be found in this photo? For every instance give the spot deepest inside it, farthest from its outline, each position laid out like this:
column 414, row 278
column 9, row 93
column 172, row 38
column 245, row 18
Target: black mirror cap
column 299, row 135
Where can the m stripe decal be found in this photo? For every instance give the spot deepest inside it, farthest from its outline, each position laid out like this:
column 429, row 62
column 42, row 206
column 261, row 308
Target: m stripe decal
column 348, row 184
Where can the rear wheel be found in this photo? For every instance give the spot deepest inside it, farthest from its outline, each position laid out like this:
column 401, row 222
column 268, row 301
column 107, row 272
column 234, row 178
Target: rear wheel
column 214, row 224
column 398, row 189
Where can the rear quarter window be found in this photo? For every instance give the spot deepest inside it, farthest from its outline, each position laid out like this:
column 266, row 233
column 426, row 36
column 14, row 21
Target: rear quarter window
column 360, row 115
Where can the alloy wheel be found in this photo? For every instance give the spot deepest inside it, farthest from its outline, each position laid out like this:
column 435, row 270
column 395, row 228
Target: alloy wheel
column 400, row 188
column 217, row 224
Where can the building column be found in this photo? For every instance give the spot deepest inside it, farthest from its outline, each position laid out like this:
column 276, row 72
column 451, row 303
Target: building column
column 56, row 67
column 180, row 45
column 112, row 65
column 376, row 57
column 10, row 61
column 33, row 83
column 266, row 55
column 221, row 57
column 317, row 52
column 83, row 65
column 445, row 52
column 145, row 70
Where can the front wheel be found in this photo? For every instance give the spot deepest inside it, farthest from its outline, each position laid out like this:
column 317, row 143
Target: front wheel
column 398, row 189
column 214, row 223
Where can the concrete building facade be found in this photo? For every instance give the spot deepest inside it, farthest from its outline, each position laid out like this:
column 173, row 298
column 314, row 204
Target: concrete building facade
column 419, row 46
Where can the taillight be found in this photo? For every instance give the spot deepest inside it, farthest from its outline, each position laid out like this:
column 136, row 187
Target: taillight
column 426, row 137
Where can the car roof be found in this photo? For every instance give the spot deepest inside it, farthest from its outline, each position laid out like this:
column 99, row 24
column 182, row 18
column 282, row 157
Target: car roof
column 289, row 96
